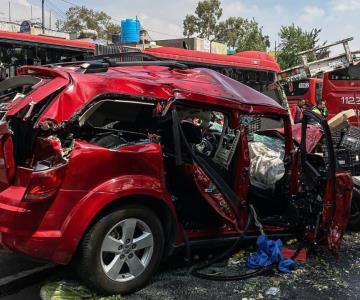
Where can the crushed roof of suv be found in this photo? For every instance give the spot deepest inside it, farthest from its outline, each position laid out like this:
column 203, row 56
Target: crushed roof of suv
column 200, row 85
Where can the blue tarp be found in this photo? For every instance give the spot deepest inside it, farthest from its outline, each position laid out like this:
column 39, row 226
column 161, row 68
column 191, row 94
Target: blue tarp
column 269, row 253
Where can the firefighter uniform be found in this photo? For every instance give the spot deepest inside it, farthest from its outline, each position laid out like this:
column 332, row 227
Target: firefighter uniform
column 321, row 112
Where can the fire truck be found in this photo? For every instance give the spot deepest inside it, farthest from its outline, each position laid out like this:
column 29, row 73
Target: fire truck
column 336, row 79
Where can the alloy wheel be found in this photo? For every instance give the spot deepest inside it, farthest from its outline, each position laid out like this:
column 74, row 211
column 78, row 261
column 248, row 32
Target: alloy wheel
column 126, row 250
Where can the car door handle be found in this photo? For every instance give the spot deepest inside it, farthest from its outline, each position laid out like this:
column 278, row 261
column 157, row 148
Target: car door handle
column 211, row 189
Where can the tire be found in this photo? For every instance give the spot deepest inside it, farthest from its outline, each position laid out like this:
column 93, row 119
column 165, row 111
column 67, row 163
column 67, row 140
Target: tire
column 354, row 219
column 108, row 246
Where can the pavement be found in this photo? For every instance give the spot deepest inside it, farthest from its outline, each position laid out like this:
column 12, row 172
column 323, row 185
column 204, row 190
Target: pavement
column 12, row 263
column 323, row 276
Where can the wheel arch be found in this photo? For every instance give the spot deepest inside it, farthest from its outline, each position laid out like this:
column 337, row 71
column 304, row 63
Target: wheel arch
column 158, row 206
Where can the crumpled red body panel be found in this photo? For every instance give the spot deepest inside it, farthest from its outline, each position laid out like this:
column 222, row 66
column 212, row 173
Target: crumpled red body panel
column 313, row 135
column 340, row 216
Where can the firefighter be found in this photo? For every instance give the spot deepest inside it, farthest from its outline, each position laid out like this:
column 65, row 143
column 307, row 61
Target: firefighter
column 320, row 109
column 297, row 111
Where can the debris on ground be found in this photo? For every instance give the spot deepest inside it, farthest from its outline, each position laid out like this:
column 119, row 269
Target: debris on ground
column 291, row 242
column 321, row 277
column 237, row 258
column 268, row 254
column 67, row 290
column 272, row 291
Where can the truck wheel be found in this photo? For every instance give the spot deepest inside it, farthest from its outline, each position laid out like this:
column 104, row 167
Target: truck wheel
column 122, row 251
column 354, row 220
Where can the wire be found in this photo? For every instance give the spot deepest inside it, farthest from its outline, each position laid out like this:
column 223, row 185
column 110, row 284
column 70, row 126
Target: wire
column 57, row 9
column 70, row 3
column 57, row 14
column 74, row 4
column 168, row 34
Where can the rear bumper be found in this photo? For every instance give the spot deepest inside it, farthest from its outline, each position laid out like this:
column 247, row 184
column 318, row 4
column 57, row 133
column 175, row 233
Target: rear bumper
column 33, row 229
column 19, row 229
column 40, row 248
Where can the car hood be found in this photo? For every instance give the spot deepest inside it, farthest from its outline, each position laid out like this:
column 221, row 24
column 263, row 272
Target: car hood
column 313, row 133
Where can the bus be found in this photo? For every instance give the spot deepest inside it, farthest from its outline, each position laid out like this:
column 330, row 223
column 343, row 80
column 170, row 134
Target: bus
column 18, row 49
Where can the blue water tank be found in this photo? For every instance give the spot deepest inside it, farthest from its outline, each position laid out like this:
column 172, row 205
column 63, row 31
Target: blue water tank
column 130, row 31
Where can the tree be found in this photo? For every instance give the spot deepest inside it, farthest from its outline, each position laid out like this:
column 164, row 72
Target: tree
column 242, row 34
column 236, row 32
column 79, row 18
column 293, row 40
column 205, row 20
column 59, row 24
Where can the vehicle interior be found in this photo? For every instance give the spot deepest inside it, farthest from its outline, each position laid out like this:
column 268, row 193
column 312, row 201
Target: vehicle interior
column 113, row 123
column 268, row 168
column 209, row 137
column 269, row 175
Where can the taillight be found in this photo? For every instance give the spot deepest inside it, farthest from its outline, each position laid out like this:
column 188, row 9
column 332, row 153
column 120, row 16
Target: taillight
column 44, row 185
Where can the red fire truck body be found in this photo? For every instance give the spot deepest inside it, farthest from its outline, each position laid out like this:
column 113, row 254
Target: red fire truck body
column 337, row 88
column 334, row 79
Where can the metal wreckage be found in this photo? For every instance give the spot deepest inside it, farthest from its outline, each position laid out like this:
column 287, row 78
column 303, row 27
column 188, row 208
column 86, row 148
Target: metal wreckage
column 115, row 165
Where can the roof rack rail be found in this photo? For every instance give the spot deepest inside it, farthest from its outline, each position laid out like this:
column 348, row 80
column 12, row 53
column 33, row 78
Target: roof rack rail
column 102, row 64
column 163, row 63
column 112, row 59
column 128, row 56
column 93, row 67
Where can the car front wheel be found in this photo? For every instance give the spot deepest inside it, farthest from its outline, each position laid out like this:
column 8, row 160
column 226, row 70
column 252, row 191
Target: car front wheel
column 122, row 251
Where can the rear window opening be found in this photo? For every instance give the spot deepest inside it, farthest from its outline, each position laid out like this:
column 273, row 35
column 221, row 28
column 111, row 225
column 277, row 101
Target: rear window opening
column 25, row 135
column 114, row 123
column 20, row 84
column 17, row 88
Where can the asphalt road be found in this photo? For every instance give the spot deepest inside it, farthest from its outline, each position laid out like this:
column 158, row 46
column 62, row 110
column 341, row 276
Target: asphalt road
column 321, row 277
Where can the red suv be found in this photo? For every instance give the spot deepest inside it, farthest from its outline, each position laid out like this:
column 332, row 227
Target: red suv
column 114, row 166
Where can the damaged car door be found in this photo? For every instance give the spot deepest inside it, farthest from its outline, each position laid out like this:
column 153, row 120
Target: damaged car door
column 327, row 190
column 206, row 152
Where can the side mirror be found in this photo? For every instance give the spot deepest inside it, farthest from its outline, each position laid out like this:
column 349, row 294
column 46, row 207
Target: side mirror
column 192, row 132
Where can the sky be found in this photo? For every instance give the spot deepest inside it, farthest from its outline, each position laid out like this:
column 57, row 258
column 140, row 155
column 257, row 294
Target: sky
column 163, row 18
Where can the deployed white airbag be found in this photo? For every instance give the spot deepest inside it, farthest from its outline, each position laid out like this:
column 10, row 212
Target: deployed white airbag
column 266, row 163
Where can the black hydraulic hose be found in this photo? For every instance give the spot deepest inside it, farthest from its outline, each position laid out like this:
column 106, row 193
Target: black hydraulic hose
column 196, row 270
column 244, row 276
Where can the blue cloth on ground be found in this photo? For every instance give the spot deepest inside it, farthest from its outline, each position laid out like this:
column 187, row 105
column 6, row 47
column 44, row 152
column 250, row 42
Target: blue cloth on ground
column 269, row 252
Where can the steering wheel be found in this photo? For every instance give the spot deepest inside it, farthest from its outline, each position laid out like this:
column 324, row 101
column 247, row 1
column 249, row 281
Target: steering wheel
column 205, row 147
column 208, row 144
column 211, row 138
